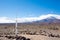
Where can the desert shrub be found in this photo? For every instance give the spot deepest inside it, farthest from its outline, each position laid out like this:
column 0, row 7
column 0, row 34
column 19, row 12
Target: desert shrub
column 28, row 39
column 5, row 27
column 51, row 35
column 54, row 35
column 54, row 28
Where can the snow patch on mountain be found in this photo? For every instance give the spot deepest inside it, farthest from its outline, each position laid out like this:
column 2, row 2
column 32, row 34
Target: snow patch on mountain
column 27, row 19
column 49, row 15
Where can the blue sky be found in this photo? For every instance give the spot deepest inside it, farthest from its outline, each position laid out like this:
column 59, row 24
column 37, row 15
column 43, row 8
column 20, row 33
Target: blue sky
column 28, row 8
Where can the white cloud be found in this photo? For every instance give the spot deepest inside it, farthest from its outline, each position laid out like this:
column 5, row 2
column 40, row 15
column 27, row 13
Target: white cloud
column 27, row 19
column 6, row 20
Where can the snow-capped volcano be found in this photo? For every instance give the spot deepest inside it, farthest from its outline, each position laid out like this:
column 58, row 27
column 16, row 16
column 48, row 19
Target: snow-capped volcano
column 49, row 19
column 29, row 19
column 50, row 16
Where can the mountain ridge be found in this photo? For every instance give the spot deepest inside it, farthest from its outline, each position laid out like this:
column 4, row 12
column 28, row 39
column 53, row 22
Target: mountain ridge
column 29, row 19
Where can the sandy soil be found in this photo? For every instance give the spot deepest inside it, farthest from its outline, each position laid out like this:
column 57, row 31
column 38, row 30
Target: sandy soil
column 40, row 37
column 34, row 37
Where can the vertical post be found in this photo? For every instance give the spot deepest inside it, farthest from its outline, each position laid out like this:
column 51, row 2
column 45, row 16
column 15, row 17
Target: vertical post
column 16, row 27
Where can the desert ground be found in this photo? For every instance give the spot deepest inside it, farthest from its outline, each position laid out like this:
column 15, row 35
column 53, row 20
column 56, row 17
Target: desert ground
column 31, row 31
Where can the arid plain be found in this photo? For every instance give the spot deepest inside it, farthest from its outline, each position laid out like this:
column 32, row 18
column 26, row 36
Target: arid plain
column 33, row 31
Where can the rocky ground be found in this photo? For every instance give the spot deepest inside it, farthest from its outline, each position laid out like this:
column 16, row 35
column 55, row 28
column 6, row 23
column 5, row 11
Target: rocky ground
column 34, row 37
column 31, row 31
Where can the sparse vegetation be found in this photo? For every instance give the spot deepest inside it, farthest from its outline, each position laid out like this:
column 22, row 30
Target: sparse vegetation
column 31, row 29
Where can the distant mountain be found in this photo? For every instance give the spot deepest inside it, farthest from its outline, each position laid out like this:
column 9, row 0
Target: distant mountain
column 50, row 19
column 47, row 20
column 41, row 18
